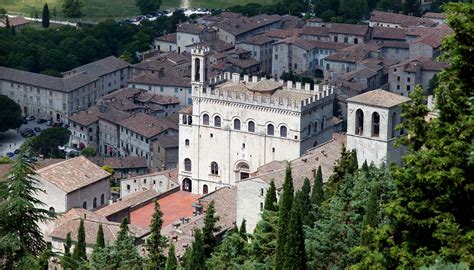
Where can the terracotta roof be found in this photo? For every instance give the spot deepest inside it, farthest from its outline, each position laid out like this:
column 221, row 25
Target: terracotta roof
column 347, row 56
column 315, row 31
column 124, row 93
column 264, row 86
column 91, row 226
column 434, row 15
column 379, row 98
column 433, row 40
column 403, row 20
column 128, row 202
column 145, row 96
column 167, row 38
column 315, row 20
column 186, row 110
column 190, row 28
column 280, row 33
column 72, row 174
column 411, row 65
column 258, row 40
column 86, row 117
column 241, row 25
column 102, row 67
column 349, row 29
column 147, row 125
column 379, row 32
column 121, row 162
column 167, row 78
column 16, row 21
column 242, row 63
column 394, row 44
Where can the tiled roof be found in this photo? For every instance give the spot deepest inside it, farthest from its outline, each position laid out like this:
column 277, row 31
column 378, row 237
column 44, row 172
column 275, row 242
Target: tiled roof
column 394, row 44
column 128, row 202
column 264, row 86
column 433, row 40
column 86, row 117
column 434, row 15
column 349, row 29
column 318, row 20
column 187, row 110
column 72, row 174
column 315, row 31
column 67, row 84
column 242, row 63
column 91, row 226
column 121, row 94
column 147, row 125
column 379, row 32
column 129, row 162
column 102, row 67
column 411, row 65
column 403, row 20
column 190, row 28
column 258, row 40
column 280, row 33
column 167, row 78
column 347, row 56
column 145, row 96
column 167, row 38
column 15, row 21
column 312, row 44
column 241, row 25
column 379, row 98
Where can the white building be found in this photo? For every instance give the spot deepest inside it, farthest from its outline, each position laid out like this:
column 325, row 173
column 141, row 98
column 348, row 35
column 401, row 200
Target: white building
column 160, row 181
column 238, row 124
column 371, row 126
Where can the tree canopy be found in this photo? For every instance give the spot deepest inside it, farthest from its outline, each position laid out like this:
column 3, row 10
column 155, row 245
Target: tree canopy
column 10, row 114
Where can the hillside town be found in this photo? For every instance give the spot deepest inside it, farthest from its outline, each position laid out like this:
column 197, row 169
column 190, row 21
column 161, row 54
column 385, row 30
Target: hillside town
column 212, row 119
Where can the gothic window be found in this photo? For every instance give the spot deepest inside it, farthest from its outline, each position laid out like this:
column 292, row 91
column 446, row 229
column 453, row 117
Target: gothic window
column 236, row 124
column 283, row 131
column 187, row 164
column 375, row 124
column 217, row 121
column 205, row 119
column 214, row 168
column 359, row 125
column 251, row 126
column 190, row 119
column 270, row 130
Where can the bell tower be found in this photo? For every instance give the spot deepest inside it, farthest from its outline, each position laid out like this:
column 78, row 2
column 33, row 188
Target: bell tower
column 199, row 68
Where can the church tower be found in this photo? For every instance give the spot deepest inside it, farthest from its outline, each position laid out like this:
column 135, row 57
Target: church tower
column 372, row 118
column 199, row 72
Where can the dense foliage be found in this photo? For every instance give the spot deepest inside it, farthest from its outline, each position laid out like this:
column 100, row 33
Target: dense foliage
column 148, row 6
column 10, row 114
column 49, row 140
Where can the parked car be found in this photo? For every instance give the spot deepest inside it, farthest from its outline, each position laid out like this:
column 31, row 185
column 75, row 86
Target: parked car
column 16, row 152
column 41, row 121
column 25, row 121
column 57, row 124
column 37, row 129
column 9, row 154
column 30, row 118
column 25, row 131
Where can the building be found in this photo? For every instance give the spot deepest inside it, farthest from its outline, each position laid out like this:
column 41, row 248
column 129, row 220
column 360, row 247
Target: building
column 16, row 23
column 84, row 128
column 123, row 166
column 251, row 192
column 439, row 18
column 166, row 43
column 371, row 126
column 49, row 97
column 109, row 132
column 260, row 48
column 111, row 71
column 188, row 34
column 348, row 33
column 238, row 124
column 73, row 183
column 394, row 20
column 403, row 77
column 427, row 46
column 159, row 181
column 318, row 33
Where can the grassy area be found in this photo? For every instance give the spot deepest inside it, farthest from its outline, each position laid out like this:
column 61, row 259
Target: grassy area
column 95, row 10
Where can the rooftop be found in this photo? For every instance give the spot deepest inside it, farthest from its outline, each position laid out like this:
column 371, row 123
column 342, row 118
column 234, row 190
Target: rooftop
column 148, row 125
column 101, row 67
column 14, row 21
column 349, row 29
column 168, row 38
column 170, row 77
column 127, row 202
column 258, row 40
column 391, row 33
column 315, row 31
column 241, row 25
column 379, row 98
column 403, row 20
column 424, row 63
column 434, row 15
column 121, row 162
column 281, row 33
column 190, row 28
column 72, row 174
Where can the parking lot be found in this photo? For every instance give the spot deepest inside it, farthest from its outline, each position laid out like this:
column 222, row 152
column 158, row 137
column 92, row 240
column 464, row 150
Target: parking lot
column 12, row 140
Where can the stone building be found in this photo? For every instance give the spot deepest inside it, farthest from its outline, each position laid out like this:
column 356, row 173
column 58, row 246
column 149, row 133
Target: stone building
column 159, row 181
column 166, row 43
column 371, row 122
column 260, row 47
column 395, row 20
column 238, row 124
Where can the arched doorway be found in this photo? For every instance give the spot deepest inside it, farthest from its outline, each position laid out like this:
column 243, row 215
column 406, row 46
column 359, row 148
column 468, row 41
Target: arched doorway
column 243, row 170
column 319, row 73
column 187, row 185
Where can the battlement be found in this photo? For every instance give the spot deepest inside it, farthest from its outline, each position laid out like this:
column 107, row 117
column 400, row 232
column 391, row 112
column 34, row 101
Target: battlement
column 320, row 93
column 200, row 50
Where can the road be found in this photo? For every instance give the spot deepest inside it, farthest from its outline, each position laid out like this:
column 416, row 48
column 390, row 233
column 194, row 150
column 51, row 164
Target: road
column 11, row 140
column 51, row 21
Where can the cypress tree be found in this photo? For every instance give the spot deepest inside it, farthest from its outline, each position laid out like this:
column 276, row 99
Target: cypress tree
column 295, row 256
column 45, row 18
column 67, row 245
column 243, row 230
column 156, row 243
column 270, row 198
column 100, row 241
column 171, row 262
column 317, row 193
column 126, row 254
column 305, row 201
column 370, row 218
column 286, row 202
column 79, row 253
column 208, row 238
column 365, row 167
column 197, row 257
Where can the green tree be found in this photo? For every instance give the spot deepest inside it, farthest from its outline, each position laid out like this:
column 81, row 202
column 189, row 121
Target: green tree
column 370, row 221
column 286, row 202
column 10, row 114
column 21, row 212
column 148, row 6
column 79, row 253
column 67, row 261
column 45, row 17
column 295, row 256
column 432, row 85
column 433, row 213
column 88, row 151
column 305, row 201
column 243, row 230
column 171, row 261
column 50, row 139
column 156, row 243
column 100, row 241
column 412, row 7
column 270, row 198
column 353, row 10
column 67, row 245
column 231, row 253
column 197, row 258
column 3, row 12
column 317, row 194
column 209, row 229
column 108, row 169
column 72, row 8
column 125, row 253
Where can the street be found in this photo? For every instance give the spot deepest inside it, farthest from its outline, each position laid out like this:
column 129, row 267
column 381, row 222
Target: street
column 12, row 140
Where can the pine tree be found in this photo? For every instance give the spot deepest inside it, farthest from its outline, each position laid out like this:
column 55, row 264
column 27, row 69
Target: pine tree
column 100, row 241
column 263, row 244
column 305, row 201
column 125, row 253
column 243, row 230
column 79, row 253
column 20, row 212
column 156, row 243
column 317, row 194
column 171, row 261
column 209, row 229
column 45, row 18
column 295, row 254
column 370, row 221
column 365, row 167
column 286, row 202
column 270, row 198
column 197, row 256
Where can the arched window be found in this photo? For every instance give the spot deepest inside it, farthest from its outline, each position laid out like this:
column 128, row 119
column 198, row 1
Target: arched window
column 323, row 122
column 316, row 127
column 394, row 125
column 214, row 168
column 197, row 66
column 251, row 126
column 52, row 212
column 236, row 124
column 185, row 119
column 217, row 121
column 190, row 119
column 187, row 164
column 187, row 185
column 84, row 205
column 359, row 125
column 102, row 199
column 186, row 142
column 205, row 189
column 205, row 119
column 375, row 124
column 270, row 130
column 94, row 203
column 309, row 129
column 284, row 131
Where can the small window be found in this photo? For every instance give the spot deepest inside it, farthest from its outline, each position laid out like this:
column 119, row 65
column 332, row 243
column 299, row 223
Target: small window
column 84, row 205
column 236, row 124
column 205, row 120
column 217, row 121
column 187, row 164
column 243, row 146
column 261, row 192
column 273, row 149
column 214, row 168
column 102, row 199
column 251, row 126
column 94, row 203
column 359, row 126
column 186, row 142
column 52, row 212
column 270, row 130
column 261, row 207
column 375, row 124
column 128, row 187
column 284, row 131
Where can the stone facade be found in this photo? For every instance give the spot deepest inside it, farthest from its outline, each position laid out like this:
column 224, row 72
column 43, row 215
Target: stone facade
column 160, row 182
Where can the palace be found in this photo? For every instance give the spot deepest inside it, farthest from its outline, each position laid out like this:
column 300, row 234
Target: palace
column 237, row 124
